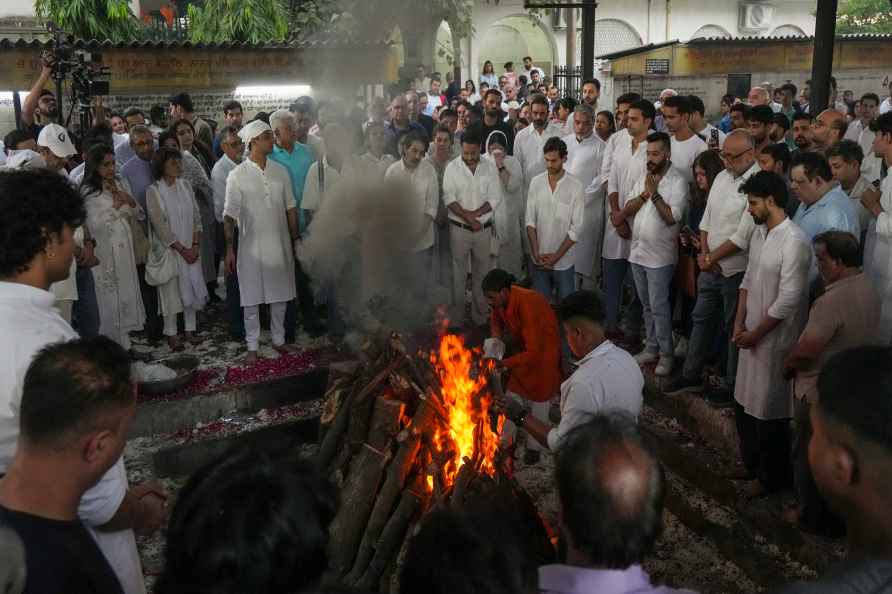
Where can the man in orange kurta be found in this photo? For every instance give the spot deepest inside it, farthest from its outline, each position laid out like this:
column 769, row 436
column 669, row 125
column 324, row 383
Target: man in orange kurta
column 529, row 319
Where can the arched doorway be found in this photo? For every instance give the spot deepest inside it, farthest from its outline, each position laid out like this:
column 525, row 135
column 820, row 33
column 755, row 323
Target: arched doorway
column 444, row 52
column 516, row 36
column 788, row 31
column 711, row 32
column 614, row 35
column 398, row 48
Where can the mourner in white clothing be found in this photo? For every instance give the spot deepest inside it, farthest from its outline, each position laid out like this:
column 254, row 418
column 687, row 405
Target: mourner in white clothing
column 555, row 216
column 606, row 378
column 685, row 144
column 509, row 216
column 657, row 209
column 472, row 193
column 529, row 142
column 260, row 201
column 329, row 172
column 421, row 177
column 233, row 151
column 585, row 151
column 374, row 163
column 859, row 131
column 771, row 312
column 845, row 159
column 175, row 223
column 112, row 216
column 878, row 245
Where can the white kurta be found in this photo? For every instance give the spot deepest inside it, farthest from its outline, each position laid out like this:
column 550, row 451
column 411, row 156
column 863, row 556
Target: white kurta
column 776, row 282
column 584, row 162
column 528, row 147
column 174, row 217
column 426, row 193
column 878, row 259
column 117, row 284
column 509, row 217
column 259, row 201
column 627, row 168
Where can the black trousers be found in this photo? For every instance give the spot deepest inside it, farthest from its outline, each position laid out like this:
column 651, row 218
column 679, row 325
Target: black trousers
column 305, row 303
column 765, row 448
column 815, row 514
column 154, row 322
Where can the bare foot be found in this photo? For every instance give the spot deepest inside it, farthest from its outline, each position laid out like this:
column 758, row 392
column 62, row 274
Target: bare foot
column 251, row 357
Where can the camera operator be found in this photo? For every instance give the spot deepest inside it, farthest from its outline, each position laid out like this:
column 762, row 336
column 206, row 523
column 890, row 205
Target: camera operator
column 40, row 107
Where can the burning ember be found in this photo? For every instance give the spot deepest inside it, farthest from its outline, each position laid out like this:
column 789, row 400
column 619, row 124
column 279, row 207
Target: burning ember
column 469, row 437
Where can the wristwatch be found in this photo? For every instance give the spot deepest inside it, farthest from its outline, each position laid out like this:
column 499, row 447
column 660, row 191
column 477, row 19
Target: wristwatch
column 518, row 420
column 656, row 196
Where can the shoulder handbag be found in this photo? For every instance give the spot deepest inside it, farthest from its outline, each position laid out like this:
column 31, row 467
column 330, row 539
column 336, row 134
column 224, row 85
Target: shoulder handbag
column 161, row 264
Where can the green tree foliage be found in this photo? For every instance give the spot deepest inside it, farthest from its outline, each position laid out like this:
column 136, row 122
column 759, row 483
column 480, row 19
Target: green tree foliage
column 250, row 21
column 90, row 19
column 864, row 16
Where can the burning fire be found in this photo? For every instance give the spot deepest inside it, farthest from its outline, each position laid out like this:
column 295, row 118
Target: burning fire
column 466, row 401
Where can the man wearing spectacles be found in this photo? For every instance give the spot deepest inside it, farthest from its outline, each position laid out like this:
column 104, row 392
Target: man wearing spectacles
column 725, row 233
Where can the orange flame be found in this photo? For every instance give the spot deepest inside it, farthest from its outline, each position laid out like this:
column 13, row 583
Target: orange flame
column 467, row 404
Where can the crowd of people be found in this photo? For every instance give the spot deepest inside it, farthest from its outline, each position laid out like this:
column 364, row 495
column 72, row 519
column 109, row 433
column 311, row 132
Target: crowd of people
column 595, row 245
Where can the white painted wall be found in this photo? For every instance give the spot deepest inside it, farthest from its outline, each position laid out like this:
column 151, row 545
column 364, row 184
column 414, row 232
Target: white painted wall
column 16, row 8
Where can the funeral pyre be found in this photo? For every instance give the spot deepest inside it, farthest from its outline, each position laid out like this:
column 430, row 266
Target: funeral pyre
column 404, row 432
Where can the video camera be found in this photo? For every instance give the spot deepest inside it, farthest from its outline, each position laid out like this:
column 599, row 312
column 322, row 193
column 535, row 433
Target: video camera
column 89, row 77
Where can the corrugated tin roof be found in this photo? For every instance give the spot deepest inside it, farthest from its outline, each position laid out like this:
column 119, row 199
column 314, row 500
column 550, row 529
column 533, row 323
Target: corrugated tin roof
column 753, row 39
column 325, row 43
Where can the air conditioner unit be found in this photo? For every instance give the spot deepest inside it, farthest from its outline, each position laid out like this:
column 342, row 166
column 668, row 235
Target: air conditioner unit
column 755, row 17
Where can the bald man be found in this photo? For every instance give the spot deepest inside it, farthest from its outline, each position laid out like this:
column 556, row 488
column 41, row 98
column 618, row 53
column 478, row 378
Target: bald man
column 827, row 129
column 610, row 487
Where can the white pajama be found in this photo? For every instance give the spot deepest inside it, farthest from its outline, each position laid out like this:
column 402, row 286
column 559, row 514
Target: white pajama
column 276, row 324
column 189, row 318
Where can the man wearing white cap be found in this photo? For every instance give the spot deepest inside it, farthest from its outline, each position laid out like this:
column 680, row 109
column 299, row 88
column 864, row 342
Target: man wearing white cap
column 260, row 202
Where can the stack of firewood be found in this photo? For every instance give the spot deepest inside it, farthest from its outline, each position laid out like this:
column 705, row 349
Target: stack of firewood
column 377, row 444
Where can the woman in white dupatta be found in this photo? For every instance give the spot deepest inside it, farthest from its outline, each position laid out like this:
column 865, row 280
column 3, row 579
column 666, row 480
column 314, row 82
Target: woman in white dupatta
column 176, row 223
column 111, row 211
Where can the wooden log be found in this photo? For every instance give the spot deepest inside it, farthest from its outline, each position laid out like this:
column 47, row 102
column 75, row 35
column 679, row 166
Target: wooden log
column 361, row 485
column 397, row 473
column 363, row 403
column 392, row 536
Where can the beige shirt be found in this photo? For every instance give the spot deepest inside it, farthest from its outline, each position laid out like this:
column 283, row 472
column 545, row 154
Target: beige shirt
column 846, row 316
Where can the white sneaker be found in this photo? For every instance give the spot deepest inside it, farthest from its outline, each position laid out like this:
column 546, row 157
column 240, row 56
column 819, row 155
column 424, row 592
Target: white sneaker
column 664, row 367
column 681, row 347
column 645, row 357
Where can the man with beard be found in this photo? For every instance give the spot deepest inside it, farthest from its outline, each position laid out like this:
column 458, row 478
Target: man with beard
column 738, row 114
column 771, row 312
column 621, row 117
column 399, row 125
column 658, row 206
column 878, row 251
column 685, row 144
column 494, row 118
column 827, row 129
column 531, row 140
column 591, row 91
column 757, row 121
column 860, row 132
column 778, row 129
column 40, row 107
column 802, row 132
column 471, row 192
column 233, row 149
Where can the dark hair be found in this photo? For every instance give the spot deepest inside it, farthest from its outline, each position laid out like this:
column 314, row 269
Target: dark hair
column 848, row 150
column 468, row 552
column 182, row 100
column 98, row 134
column 591, row 81
column 473, row 135
column 679, row 102
column 867, row 372
column 496, row 280
column 508, row 65
column 555, row 144
column 69, row 384
column 248, row 523
column 582, row 304
column 232, row 105
column 780, row 152
column 491, row 67
column 448, row 113
column 538, row 99
column 611, row 121
column 765, row 184
column 614, row 528
column 712, row 164
column 12, row 140
column 525, row 58
column 697, row 105
column 662, row 137
column 226, row 131
column 742, row 108
column 871, row 97
column 801, row 115
column 760, row 113
column 445, row 129
column 305, row 104
column 789, row 87
column 157, row 113
column 568, row 103
column 883, row 124
column 781, row 120
column 646, row 108
column 814, row 165
column 628, row 98
column 492, row 92
column 92, row 182
column 34, row 205
column 729, row 99
column 414, row 136
column 132, row 111
column 161, row 158
column 197, row 145
column 841, row 246
column 840, row 125
column 473, row 85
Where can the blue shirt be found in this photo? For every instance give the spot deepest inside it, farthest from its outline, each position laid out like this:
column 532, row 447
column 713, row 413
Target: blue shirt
column 139, row 174
column 835, row 210
column 298, row 163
